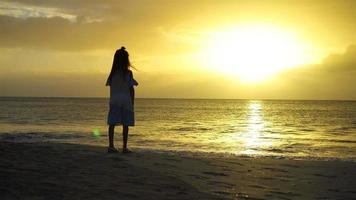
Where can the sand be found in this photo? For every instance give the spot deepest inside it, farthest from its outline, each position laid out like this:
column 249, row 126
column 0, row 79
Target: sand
column 77, row 171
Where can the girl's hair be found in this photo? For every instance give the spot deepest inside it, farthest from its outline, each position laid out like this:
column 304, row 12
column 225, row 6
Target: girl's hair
column 120, row 64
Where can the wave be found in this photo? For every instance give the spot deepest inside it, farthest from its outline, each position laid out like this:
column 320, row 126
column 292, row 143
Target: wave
column 38, row 136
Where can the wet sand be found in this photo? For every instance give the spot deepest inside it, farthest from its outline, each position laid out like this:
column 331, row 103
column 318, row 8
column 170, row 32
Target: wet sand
column 74, row 171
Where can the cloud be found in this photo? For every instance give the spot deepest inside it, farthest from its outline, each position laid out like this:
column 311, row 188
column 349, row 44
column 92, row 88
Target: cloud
column 42, row 41
column 33, row 8
column 333, row 64
column 341, row 62
column 18, row 10
column 334, row 78
column 58, row 33
column 75, row 25
column 85, row 25
column 106, row 24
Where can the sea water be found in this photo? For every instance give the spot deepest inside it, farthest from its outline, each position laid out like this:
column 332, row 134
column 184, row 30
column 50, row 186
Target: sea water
column 282, row 128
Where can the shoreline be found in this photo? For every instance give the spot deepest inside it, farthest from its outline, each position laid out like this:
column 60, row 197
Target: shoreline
column 86, row 139
column 178, row 98
column 63, row 170
column 227, row 155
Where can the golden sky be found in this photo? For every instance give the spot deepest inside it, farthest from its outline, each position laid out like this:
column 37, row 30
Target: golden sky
column 271, row 49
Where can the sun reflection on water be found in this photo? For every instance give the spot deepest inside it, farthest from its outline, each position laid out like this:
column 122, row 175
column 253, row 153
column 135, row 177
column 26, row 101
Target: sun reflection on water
column 255, row 124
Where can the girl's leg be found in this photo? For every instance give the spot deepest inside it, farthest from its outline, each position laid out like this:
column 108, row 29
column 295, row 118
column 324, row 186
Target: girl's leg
column 111, row 135
column 125, row 134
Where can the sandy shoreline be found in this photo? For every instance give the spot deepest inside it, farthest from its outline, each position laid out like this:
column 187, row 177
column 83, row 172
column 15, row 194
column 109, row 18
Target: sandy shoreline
column 74, row 171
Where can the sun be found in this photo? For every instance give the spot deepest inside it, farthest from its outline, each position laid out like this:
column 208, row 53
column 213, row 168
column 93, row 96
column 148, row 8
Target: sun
column 253, row 53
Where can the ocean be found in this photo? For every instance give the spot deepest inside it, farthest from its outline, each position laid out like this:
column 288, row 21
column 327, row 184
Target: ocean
column 292, row 129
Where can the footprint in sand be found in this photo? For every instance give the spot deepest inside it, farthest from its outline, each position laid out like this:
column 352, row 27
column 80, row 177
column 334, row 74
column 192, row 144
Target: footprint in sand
column 165, row 165
column 215, row 173
column 257, row 186
column 172, row 159
column 275, row 169
column 222, row 193
column 288, row 193
column 199, row 177
column 223, row 184
column 325, row 176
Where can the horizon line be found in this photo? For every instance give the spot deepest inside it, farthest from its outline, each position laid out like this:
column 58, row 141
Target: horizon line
column 182, row 98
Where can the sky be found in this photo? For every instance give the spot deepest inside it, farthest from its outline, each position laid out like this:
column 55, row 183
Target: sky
column 236, row 49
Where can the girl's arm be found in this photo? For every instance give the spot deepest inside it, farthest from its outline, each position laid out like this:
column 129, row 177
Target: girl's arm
column 132, row 90
column 132, row 95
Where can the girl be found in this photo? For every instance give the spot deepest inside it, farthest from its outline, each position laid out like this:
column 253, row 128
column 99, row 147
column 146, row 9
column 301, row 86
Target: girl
column 122, row 97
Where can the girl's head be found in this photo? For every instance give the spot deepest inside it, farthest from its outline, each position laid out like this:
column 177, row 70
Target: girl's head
column 121, row 60
column 121, row 64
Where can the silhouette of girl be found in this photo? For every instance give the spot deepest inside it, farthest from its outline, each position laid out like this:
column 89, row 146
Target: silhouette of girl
column 122, row 97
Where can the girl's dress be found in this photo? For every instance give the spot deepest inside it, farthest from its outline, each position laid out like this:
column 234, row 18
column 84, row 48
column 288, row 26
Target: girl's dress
column 121, row 108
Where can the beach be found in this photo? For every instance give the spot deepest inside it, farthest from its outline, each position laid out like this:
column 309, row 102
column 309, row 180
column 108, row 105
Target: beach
column 52, row 170
column 178, row 100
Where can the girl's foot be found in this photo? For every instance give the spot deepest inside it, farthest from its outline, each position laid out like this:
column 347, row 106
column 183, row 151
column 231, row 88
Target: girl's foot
column 112, row 150
column 126, row 150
